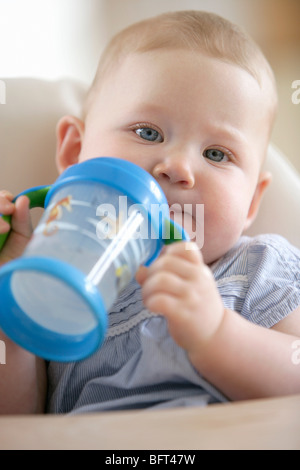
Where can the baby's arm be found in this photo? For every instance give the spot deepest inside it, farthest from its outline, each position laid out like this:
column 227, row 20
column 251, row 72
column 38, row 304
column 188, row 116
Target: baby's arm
column 243, row 360
column 22, row 377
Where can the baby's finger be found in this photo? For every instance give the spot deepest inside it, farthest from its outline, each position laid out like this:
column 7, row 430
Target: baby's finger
column 6, row 206
column 179, row 266
column 21, row 222
column 164, row 283
column 141, row 274
column 187, row 250
column 4, row 225
column 6, row 194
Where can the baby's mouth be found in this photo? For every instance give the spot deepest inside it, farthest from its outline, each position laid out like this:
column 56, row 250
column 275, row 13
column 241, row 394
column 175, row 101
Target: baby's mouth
column 191, row 218
column 178, row 210
column 183, row 216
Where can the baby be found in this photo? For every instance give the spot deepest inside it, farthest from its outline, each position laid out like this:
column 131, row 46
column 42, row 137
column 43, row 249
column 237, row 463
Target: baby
column 191, row 99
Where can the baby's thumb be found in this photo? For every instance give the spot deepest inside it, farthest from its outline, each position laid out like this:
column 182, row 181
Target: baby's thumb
column 21, row 221
column 141, row 275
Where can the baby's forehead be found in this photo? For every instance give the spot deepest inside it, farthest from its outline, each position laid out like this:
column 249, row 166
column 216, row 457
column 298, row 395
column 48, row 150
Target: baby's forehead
column 263, row 77
column 143, row 65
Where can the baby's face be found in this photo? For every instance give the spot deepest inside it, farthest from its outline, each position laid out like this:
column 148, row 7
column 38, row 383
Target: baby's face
column 198, row 125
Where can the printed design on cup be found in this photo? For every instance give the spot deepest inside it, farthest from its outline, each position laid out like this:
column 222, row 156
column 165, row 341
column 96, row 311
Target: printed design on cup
column 107, row 228
column 123, row 276
column 56, row 213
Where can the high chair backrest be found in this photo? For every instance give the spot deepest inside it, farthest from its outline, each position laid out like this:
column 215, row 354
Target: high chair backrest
column 280, row 207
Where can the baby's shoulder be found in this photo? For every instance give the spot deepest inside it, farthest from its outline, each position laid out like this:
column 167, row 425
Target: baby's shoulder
column 260, row 278
column 266, row 252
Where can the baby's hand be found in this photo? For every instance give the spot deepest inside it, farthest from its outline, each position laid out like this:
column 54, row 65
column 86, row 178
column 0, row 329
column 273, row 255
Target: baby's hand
column 179, row 286
column 21, row 229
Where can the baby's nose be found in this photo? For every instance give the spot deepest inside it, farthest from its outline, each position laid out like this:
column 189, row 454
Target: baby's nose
column 175, row 171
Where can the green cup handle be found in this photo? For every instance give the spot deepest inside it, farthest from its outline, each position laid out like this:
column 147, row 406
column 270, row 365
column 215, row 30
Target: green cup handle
column 174, row 233
column 36, row 196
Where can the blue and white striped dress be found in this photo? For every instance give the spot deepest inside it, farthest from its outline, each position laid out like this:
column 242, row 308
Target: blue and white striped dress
column 140, row 366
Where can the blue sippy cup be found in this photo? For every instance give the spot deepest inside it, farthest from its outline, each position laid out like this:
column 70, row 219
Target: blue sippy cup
column 103, row 218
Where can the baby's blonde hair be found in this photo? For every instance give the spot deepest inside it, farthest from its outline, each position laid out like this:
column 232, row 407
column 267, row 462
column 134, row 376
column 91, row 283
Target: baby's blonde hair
column 197, row 31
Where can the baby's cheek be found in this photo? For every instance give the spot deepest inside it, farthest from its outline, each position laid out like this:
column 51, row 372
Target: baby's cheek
column 221, row 232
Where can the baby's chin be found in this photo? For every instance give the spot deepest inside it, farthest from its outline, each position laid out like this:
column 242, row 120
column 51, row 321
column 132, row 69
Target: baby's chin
column 212, row 247
column 216, row 247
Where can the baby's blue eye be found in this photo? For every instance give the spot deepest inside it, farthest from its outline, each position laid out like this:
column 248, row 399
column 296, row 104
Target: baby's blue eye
column 147, row 133
column 215, row 155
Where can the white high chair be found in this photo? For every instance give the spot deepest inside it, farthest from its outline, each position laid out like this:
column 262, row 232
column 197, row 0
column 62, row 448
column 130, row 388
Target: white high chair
column 27, row 151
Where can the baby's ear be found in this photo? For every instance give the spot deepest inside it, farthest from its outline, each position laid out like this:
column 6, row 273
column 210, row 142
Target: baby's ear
column 69, row 134
column 264, row 180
